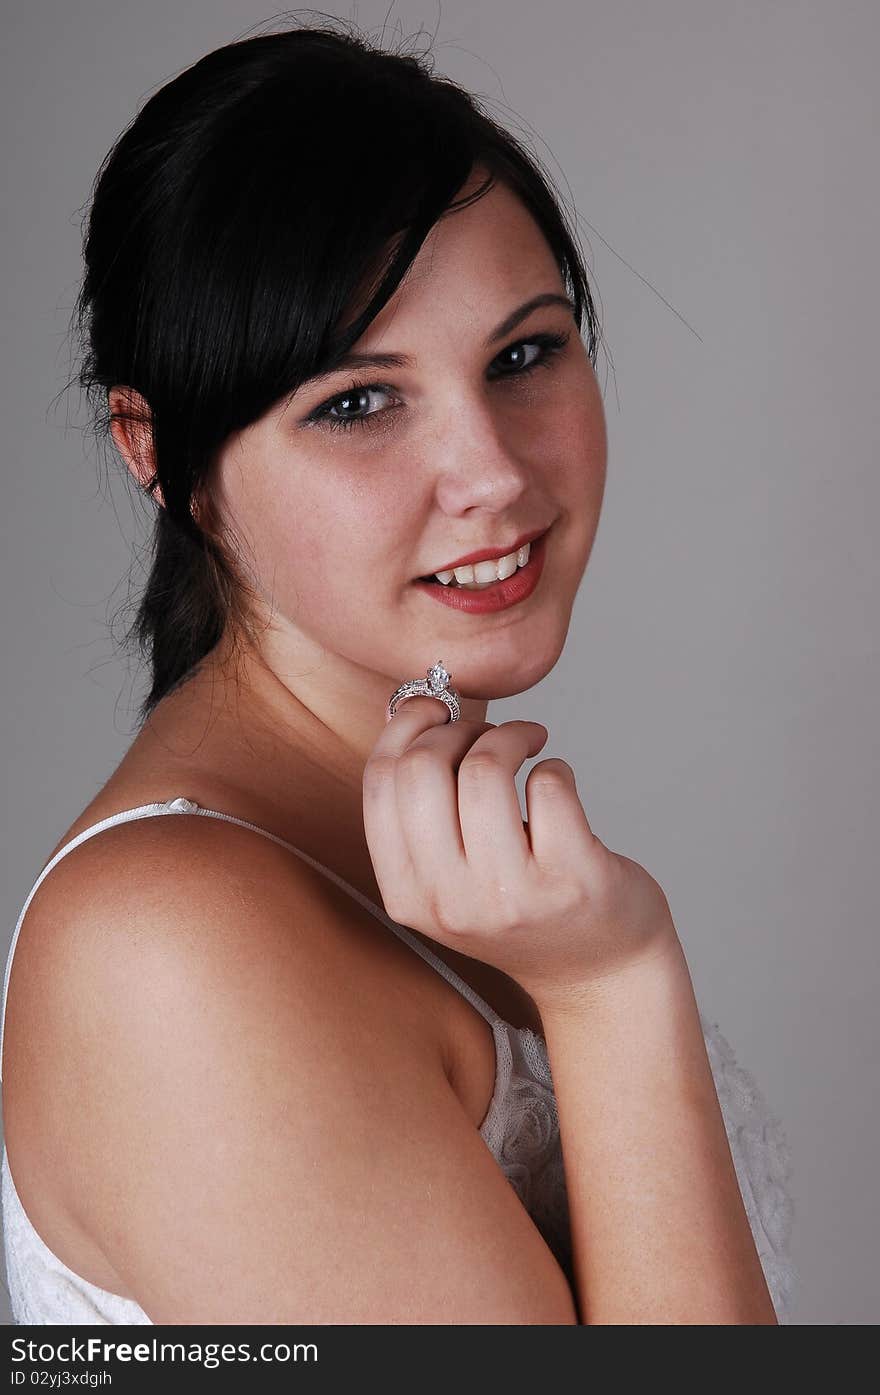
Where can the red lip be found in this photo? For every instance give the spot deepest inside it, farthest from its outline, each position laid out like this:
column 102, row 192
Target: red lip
column 490, row 554
column 501, row 595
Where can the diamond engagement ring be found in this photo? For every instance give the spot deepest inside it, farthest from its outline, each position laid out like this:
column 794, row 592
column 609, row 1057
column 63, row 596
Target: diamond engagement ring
column 435, row 685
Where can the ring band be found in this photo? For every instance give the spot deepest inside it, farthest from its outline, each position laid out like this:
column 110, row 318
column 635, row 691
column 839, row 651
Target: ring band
column 436, row 684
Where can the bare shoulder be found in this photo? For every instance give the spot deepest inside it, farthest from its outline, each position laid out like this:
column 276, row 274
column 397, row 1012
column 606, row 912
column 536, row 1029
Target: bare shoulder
column 212, row 899
column 140, row 942
column 256, row 1118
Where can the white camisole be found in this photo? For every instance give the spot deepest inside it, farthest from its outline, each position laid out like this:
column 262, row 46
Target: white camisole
column 521, row 1130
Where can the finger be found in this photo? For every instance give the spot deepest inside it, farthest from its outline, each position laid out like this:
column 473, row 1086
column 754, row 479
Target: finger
column 412, row 717
column 457, row 826
column 383, row 812
column 426, row 792
column 493, row 833
column 558, row 828
column 449, row 740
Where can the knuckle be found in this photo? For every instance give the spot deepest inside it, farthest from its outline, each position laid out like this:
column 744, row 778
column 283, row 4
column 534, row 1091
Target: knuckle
column 504, row 917
column 606, row 882
column 445, row 916
column 416, row 762
column 396, row 908
column 488, row 909
column 482, row 765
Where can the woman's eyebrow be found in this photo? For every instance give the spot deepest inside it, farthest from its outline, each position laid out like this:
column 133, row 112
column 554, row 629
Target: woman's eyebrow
column 392, row 360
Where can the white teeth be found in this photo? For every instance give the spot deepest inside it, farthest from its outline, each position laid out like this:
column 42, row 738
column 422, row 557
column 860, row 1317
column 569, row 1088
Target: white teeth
column 486, row 573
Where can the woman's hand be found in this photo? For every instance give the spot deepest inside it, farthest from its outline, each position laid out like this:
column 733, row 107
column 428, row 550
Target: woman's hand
column 542, row 900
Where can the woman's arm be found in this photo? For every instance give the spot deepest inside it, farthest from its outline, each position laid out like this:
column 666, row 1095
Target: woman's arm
column 659, row 1231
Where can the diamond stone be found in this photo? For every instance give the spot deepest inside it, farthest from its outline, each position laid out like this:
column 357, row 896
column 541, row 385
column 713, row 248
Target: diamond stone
column 438, row 678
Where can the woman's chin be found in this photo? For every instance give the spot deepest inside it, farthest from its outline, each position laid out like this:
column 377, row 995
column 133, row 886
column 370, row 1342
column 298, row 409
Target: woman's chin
column 486, row 680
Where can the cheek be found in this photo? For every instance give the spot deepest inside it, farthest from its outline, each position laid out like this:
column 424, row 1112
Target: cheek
column 581, row 440
column 322, row 553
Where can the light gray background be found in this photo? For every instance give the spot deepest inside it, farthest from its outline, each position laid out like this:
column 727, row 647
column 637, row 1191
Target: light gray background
column 718, row 695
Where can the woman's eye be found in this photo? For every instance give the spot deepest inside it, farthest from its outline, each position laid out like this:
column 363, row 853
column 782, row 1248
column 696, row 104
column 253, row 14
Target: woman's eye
column 525, row 363
column 353, row 400
column 337, row 412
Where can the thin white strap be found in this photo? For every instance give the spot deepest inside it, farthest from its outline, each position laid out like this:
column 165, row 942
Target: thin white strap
column 182, row 805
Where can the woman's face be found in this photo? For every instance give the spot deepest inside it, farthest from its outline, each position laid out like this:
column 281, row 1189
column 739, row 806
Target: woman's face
column 458, row 451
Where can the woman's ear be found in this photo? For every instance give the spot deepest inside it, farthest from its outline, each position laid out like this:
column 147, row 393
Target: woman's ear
column 131, row 429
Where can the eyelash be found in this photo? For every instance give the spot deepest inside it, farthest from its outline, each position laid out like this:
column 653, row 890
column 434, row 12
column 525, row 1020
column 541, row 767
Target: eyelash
column 550, row 345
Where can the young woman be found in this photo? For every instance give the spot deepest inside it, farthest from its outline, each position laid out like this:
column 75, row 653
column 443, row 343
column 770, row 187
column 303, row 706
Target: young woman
column 305, row 1023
